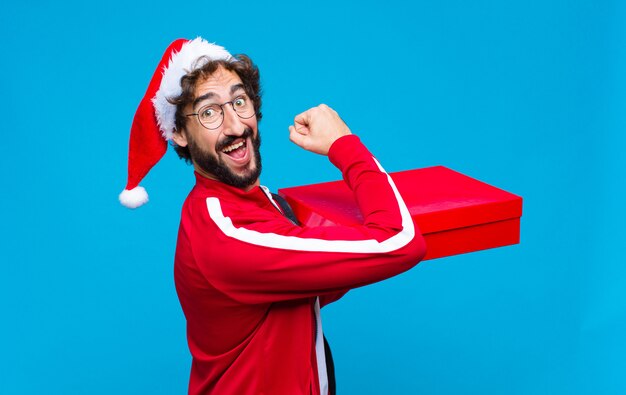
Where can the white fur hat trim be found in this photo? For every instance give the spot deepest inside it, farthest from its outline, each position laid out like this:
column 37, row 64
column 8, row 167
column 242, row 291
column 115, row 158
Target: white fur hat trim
column 181, row 63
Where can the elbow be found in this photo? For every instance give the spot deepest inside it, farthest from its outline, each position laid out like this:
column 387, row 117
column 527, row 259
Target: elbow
column 422, row 247
column 415, row 251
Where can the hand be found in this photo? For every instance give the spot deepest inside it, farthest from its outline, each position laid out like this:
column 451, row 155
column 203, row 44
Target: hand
column 317, row 129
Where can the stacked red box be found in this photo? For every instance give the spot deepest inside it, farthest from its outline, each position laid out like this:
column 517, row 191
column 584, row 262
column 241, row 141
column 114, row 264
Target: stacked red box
column 456, row 213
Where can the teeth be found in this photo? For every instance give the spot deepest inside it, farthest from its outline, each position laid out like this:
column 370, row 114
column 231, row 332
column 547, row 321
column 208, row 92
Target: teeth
column 233, row 147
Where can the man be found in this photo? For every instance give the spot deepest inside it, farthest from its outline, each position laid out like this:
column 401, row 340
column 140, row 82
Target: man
column 250, row 281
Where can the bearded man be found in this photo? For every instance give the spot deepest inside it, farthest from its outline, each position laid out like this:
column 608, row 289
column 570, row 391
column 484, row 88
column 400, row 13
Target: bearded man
column 250, row 281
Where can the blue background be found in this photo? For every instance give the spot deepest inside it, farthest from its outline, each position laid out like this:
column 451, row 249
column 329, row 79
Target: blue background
column 526, row 95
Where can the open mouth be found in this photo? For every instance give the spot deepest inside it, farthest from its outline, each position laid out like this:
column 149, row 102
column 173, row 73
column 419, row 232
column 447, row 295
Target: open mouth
column 237, row 151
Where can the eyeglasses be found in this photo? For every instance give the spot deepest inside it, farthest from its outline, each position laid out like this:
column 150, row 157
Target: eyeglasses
column 212, row 116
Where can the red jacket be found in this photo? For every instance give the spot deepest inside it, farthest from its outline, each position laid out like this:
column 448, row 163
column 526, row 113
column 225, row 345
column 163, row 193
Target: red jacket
column 248, row 279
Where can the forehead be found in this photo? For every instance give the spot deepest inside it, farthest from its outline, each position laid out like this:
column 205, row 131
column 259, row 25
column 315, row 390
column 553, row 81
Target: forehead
column 219, row 83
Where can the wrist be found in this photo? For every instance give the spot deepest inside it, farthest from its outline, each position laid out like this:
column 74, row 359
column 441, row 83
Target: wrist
column 340, row 149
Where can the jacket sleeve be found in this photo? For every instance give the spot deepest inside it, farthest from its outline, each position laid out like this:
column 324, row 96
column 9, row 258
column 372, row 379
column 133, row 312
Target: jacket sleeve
column 274, row 260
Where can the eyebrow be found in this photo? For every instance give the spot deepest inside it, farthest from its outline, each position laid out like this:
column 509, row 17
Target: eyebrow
column 209, row 95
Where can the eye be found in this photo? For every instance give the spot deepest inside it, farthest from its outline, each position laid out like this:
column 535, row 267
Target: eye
column 240, row 102
column 208, row 113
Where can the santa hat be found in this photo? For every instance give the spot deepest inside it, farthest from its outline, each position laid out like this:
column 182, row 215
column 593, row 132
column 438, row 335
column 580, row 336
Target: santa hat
column 154, row 122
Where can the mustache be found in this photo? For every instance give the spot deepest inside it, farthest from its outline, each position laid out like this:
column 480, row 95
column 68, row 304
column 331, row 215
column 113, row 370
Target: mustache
column 231, row 139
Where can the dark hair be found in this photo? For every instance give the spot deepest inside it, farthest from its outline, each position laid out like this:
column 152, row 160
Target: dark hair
column 242, row 65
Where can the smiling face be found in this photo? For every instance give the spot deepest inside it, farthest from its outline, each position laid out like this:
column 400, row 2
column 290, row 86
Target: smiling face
column 229, row 153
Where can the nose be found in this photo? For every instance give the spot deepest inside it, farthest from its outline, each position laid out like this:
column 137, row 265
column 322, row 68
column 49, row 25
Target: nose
column 232, row 124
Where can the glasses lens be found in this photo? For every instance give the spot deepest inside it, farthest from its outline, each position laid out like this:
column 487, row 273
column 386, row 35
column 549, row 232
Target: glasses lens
column 210, row 116
column 243, row 106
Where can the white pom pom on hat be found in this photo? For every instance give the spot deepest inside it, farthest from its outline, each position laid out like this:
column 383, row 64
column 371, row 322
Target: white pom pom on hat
column 134, row 198
column 154, row 121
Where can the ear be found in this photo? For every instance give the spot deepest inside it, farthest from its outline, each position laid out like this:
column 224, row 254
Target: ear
column 180, row 138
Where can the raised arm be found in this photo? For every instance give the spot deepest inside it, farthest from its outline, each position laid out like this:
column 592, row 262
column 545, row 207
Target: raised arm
column 274, row 260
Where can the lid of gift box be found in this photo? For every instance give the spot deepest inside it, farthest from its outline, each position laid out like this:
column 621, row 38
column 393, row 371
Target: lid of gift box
column 438, row 199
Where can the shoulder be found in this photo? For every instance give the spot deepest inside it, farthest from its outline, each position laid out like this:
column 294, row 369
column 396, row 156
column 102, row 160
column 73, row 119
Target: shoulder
column 252, row 212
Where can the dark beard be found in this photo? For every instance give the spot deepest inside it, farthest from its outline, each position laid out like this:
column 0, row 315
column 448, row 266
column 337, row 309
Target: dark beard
column 213, row 164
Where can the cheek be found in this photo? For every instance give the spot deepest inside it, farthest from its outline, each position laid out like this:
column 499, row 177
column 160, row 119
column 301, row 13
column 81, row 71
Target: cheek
column 206, row 143
column 252, row 124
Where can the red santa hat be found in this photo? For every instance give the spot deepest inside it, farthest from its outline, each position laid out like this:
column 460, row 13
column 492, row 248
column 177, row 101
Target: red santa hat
column 154, row 122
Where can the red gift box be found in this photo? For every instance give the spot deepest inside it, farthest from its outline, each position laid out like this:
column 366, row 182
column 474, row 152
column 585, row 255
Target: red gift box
column 455, row 213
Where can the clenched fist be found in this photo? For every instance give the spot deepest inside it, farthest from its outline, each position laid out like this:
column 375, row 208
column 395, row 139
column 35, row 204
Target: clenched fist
column 317, row 129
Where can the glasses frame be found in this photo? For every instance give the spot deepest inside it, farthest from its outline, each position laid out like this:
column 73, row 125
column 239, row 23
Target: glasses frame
column 232, row 104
